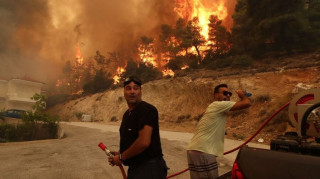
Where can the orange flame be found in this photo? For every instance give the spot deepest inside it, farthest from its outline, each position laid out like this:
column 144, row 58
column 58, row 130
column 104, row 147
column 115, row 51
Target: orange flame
column 79, row 58
column 147, row 56
column 184, row 67
column 202, row 9
column 59, row 82
column 168, row 72
column 117, row 76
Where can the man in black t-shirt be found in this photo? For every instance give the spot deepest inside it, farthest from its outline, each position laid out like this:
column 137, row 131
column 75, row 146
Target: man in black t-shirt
column 140, row 146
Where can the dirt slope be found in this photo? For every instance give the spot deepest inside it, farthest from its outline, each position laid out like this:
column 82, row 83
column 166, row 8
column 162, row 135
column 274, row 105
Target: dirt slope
column 182, row 100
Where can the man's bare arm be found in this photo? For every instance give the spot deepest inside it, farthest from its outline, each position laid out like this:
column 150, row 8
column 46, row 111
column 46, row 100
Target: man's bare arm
column 243, row 103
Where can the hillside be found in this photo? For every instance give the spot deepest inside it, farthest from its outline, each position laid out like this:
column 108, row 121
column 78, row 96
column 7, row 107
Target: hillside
column 181, row 100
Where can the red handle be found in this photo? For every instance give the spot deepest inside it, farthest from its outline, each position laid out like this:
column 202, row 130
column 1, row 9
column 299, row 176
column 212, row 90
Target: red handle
column 102, row 146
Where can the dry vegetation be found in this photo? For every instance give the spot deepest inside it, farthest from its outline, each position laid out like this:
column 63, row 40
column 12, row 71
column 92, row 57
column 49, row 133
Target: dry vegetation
column 182, row 100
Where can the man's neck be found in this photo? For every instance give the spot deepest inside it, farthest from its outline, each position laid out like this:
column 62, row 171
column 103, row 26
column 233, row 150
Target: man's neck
column 132, row 105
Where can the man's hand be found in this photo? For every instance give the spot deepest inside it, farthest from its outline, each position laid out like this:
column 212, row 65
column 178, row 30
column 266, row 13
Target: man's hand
column 116, row 160
column 111, row 160
column 240, row 93
column 243, row 103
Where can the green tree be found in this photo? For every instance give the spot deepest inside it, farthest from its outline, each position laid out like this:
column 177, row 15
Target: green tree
column 141, row 70
column 99, row 83
column 40, row 102
column 194, row 37
column 271, row 26
column 219, row 37
column 313, row 16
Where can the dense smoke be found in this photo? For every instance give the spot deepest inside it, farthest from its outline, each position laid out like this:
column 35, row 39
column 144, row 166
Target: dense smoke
column 39, row 36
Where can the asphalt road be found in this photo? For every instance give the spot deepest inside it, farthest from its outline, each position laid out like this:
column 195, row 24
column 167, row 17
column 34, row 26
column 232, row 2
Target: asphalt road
column 77, row 155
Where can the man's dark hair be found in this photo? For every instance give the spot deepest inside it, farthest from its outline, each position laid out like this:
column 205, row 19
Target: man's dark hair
column 216, row 89
column 133, row 79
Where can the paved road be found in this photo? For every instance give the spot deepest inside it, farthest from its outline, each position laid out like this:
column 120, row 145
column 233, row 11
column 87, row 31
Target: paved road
column 77, row 155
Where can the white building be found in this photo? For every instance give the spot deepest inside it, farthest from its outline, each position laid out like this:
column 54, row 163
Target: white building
column 17, row 93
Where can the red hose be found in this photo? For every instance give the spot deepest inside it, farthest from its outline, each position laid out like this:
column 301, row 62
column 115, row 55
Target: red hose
column 123, row 172
column 247, row 141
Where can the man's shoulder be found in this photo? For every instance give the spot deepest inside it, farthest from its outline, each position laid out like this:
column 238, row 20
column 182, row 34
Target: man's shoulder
column 221, row 104
column 147, row 106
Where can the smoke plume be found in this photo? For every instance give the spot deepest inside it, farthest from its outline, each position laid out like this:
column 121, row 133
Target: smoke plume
column 38, row 36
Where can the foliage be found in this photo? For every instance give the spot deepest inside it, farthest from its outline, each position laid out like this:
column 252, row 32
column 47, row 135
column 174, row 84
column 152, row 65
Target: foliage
column 219, row 38
column 144, row 72
column 40, row 100
column 56, row 99
column 113, row 119
column 37, row 124
column 79, row 115
column 262, row 98
column 181, row 38
column 99, row 83
column 273, row 26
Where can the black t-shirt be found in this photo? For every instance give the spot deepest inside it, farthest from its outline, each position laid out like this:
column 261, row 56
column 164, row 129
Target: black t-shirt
column 132, row 122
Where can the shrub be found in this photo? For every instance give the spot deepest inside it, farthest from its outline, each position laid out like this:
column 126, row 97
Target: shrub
column 114, row 119
column 79, row 115
column 56, row 99
column 144, row 72
column 98, row 84
column 36, row 124
column 262, row 98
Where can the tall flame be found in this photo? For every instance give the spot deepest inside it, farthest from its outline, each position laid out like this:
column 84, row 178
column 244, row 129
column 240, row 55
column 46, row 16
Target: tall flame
column 202, row 9
column 117, row 76
column 147, row 56
column 79, row 58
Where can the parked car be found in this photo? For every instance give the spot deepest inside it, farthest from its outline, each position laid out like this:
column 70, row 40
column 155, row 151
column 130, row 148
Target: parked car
column 264, row 164
column 14, row 113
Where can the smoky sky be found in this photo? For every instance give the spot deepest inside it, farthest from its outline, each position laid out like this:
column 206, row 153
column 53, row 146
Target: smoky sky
column 37, row 37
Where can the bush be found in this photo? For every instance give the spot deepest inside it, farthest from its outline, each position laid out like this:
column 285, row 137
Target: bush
column 56, row 99
column 113, row 119
column 36, row 124
column 144, row 72
column 262, row 98
column 79, row 115
column 99, row 83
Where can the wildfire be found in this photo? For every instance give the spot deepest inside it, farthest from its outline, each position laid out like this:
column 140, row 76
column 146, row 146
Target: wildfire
column 117, row 76
column 59, row 82
column 79, row 58
column 202, row 9
column 167, row 72
column 147, row 56
column 184, row 67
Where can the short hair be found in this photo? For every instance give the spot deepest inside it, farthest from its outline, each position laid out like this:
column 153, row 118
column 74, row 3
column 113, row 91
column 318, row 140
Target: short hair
column 132, row 79
column 216, row 89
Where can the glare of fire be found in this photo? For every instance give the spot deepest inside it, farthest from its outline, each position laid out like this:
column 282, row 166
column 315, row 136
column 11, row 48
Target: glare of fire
column 117, row 76
column 167, row 72
column 184, row 67
column 202, row 9
column 79, row 58
column 147, row 56
column 59, row 82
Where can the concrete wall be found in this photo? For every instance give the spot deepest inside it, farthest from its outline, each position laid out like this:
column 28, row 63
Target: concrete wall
column 3, row 93
column 17, row 93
